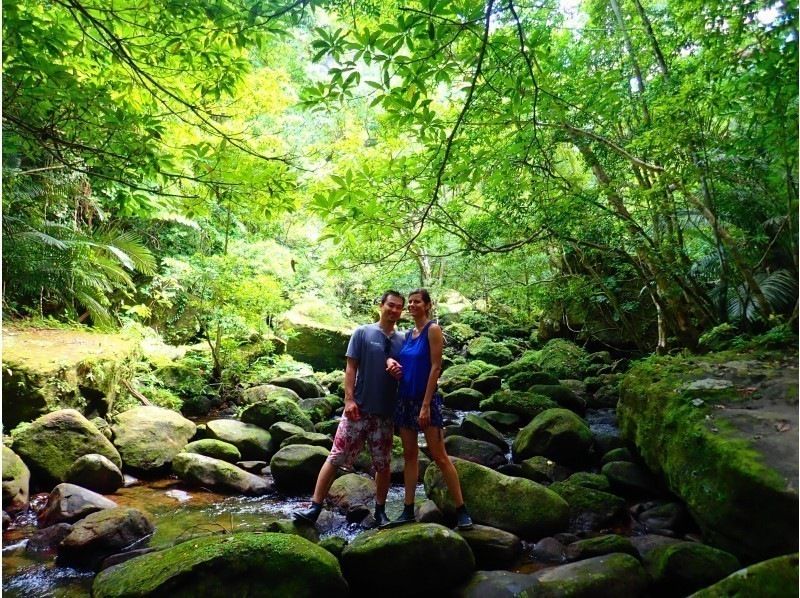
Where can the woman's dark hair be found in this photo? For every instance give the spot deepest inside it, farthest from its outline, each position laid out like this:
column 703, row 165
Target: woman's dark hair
column 426, row 297
column 386, row 295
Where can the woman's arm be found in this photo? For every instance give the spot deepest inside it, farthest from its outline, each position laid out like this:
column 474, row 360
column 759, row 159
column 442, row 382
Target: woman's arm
column 436, row 343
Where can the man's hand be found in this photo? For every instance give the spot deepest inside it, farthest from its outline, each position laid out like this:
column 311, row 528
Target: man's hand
column 424, row 418
column 394, row 368
column 351, row 410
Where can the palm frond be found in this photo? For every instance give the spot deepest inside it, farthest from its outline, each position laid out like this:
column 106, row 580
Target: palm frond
column 99, row 313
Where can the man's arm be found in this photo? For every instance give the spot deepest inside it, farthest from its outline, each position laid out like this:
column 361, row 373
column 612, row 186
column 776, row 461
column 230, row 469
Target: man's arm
column 350, row 406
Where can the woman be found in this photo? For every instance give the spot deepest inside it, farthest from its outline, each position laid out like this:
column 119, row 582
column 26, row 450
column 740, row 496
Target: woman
column 419, row 406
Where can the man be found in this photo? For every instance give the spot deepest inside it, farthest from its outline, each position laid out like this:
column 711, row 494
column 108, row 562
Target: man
column 369, row 403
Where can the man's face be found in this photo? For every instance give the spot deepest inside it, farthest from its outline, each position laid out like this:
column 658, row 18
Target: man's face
column 392, row 308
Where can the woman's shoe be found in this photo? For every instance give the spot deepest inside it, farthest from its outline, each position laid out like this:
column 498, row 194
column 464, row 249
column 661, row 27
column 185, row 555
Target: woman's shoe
column 463, row 520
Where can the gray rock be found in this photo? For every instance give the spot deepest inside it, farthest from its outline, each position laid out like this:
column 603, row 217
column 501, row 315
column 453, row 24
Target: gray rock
column 591, row 509
column 598, row 546
column 428, row 512
column 477, row 451
column 268, row 392
column 68, row 503
column 466, row 399
column 558, row 434
column 549, row 550
column 493, row 548
column 479, row 428
column 295, row 467
column 97, row 473
column 499, row 584
column 305, row 388
column 218, row 474
column 609, row 575
column 350, row 490
column 149, row 437
column 310, row 438
column 102, row 534
column 16, row 481
column 47, row 539
column 216, row 449
column 252, row 441
column 502, row 421
column 543, row 470
column 630, row 479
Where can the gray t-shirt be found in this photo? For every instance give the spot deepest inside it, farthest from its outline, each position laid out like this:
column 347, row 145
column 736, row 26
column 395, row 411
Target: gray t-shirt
column 376, row 390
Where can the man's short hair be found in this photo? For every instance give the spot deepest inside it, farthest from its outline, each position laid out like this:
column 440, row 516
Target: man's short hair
column 386, row 295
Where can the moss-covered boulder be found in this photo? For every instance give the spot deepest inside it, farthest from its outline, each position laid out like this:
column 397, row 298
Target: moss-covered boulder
column 477, row 451
column 773, row 578
column 350, row 490
column 305, row 388
column 295, row 467
column 558, row 434
column 524, row 404
column 462, row 375
column 252, row 441
column 502, row 420
column 319, row 409
column 685, row 567
column 51, row 444
column 458, row 334
column 311, row 438
column 319, row 345
column 562, row 395
column 562, row 359
column 68, row 503
column 439, row 558
column 466, row 399
column 242, row 564
column 630, row 479
column 149, row 437
column 543, row 470
column 487, row 350
column 280, row 431
column 609, row 575
column 268, row 392
column 479, row 428
column 524, row 380
column 102, row 534
column 591, row 509
column 206, row 471
column 598, row 546
column 266, row 413
column 16, row 481
column 732, row 466
column 487, row 383
column 97, row 473
column 527, row 509
column 590, row 480
column 493, row 548
column 216, row 449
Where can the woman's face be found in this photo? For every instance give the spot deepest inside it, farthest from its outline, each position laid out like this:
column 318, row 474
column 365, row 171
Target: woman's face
column 417, row 305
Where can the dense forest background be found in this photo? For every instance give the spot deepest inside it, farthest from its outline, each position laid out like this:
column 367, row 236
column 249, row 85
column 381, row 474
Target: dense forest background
column 619, row 172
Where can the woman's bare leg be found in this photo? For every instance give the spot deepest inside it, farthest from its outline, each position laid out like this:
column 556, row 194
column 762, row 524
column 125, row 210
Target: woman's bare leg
column 435, row 440
column 411, row 463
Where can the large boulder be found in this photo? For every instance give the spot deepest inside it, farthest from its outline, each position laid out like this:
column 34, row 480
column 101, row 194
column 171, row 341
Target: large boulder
column 215, row 473
column 462, row 375
column 351, row 490
column 527, row 378
column 305, row 388
column 685, row 567
column 241, row 564
column 466, row 399
column 281, row 409
column 562, row 359
column 268, row 392
column 609, row 575
column 493, row 548
column 319, row 409
column 558, row 434
column 312, row 438
column 52, row 443
column 404, row 560
column 252, row 441
column 16, row 481
column 733, row 466
column 527, row 509
column 68, row 503
column 562, row 395
column 295, row 467
column 768, row 579
column 477, row 451
column 216, row 449
column 478, row 428
column 102, row 534
column 527, row 405
column 149, row 437
column 487, row 350
column 97, row 473
column 319, row 345
column 589, row 508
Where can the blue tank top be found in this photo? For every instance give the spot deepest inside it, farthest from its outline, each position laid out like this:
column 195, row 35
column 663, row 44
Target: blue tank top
column 415, row 357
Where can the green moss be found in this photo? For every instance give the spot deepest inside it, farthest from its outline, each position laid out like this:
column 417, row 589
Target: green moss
column 688, row 566
column 281, row 409
column 769, row 579
column 524, row 380
column 487, row 350
column 238, row 564
column 462, row 375
column 214, row 448
column 524, row 404
column 600, row 545
column 562, row 359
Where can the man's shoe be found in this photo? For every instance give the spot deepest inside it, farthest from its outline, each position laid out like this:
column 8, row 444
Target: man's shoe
column 382, row 519
column 463, row 520
column 309, row 515
column 407, row 516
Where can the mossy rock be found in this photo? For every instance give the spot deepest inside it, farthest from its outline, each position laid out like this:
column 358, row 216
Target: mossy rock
column 333, row 544
column 241, row 564
column 562, row 395
column 685, row 567
column 524, row 380
column 501, row 420
column 268, row 392
column 216, row 449
column 489, row 351
column 16, row 481
column 206, row 471
column 590, row 480
column 328, row 427
column 147, row 438
column 768, row 579
column 617, row 454
column 562, row 359
column 319, row 409
column 477, row 451
column 320, row 345
column 466, row 399
column 492, row 547
column 486, row 384
column 479, row 428
column 598, row 546
column 96, row 473
column 614, row 574
column 543, row 470
column 558, row 434
column 266, row 413
column 253, row 442
column 730, row 467
column 306, row 388
column 458, row 333
column 295, row 467
column 462, row 375
column 310, row 438
column 527, row 509
column 591, row 509
column 439, row 558
column 184, row 379
column 333, row 381
column 51, row 444
column 524, row 404
column 527, row 362
column 630, row 479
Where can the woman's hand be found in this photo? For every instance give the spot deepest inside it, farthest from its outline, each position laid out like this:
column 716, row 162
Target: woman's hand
column 424, row 419
column 394, row 368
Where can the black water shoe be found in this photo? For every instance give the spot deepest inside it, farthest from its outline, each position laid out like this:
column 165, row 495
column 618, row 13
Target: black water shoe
column 380, row 516
column 463, row 520
column 309, row 515
column 407, row 516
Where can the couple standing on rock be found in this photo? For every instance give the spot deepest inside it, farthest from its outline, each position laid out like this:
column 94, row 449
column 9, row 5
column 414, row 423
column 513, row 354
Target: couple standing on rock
column 391, row 379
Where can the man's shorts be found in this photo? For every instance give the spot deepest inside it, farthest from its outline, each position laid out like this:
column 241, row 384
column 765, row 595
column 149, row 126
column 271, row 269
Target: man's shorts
column 375, row 430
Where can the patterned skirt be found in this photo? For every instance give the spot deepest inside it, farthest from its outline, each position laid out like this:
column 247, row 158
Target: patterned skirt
column 407, row 412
